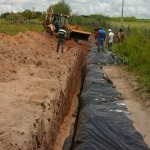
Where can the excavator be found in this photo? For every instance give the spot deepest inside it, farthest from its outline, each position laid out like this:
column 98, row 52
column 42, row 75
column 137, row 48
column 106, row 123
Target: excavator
column 53, row 22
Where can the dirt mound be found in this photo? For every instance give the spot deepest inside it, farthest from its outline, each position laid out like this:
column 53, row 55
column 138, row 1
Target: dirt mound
column 36, row 86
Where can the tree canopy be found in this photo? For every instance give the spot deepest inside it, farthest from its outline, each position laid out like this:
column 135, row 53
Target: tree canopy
column 62, row 8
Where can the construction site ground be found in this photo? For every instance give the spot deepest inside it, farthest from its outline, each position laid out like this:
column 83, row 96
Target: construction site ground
column 39, row 87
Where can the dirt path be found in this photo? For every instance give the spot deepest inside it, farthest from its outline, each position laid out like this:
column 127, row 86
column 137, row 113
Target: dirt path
column 138, row 112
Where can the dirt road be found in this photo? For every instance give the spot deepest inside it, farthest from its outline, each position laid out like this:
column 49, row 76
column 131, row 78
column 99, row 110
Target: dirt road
column 137, row 106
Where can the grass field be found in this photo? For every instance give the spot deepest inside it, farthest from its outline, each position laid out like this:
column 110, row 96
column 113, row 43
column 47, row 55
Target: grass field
column 135, row 50
column 145, row 25
column 13, row 28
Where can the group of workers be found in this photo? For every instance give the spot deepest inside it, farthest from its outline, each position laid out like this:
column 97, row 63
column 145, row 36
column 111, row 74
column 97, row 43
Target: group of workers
column 105, row 40
column 100, row 35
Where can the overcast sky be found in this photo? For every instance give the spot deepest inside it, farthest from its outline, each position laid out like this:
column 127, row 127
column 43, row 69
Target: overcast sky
column 137, row 8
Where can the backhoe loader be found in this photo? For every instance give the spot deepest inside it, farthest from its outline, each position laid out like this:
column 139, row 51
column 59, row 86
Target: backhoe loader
column 54, row 21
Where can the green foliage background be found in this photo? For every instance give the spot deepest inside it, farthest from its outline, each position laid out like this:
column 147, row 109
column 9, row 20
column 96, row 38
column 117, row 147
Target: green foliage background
column 62, row 8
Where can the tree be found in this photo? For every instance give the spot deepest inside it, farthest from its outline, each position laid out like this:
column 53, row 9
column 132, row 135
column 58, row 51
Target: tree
column 27, row 13
column 62, row 8
column 4, row 15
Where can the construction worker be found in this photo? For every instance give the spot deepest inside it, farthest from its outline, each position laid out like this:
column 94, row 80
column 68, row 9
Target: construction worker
column 61, row 35
column 101, row 39
column 110, row 39
column 120, row 35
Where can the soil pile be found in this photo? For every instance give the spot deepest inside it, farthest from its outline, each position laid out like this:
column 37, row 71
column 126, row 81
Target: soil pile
column 36, row 88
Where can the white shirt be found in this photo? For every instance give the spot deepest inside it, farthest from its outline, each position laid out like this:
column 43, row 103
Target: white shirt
column 110, row 37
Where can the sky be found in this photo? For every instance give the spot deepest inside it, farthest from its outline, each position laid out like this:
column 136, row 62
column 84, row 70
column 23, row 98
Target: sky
column 112, row 8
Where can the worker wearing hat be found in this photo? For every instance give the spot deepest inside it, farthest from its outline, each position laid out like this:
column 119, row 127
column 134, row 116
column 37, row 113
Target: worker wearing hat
column 110, row 39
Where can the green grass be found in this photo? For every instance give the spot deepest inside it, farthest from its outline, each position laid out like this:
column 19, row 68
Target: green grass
column 13, row 28
column 136, row 51
column 136, row 24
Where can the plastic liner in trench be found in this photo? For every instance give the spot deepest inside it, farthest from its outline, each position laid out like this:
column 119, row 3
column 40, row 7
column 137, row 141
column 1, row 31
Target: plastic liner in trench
column 103, row 122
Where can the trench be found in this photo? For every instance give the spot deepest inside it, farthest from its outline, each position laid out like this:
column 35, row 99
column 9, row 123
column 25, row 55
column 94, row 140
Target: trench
column 102, row 120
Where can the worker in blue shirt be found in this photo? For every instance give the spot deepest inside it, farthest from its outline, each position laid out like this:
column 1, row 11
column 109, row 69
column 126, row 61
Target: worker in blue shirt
column 101, row 39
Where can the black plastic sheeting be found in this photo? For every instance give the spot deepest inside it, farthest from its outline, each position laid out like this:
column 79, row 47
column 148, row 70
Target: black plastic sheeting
column 103, row 122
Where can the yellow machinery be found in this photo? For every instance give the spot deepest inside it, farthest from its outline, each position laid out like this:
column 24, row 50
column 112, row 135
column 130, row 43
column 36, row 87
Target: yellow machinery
column 54, row 21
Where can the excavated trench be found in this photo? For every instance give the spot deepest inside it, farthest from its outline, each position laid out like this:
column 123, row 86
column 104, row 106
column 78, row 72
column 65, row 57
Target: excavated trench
column 65, row 110
column 102, row 120
column 70, row 107
column 56, row 125
column 38, row 90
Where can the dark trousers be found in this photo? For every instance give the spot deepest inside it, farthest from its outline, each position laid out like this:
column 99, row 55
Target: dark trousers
column 60, row 43
column 109, row 46
column 101, row 46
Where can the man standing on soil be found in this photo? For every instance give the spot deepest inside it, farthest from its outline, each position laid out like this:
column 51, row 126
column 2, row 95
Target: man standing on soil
column 101, row 39
column 61, row 35
column 110, row 39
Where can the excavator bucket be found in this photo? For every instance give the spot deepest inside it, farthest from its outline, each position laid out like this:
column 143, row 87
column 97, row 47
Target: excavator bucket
column 79, row 35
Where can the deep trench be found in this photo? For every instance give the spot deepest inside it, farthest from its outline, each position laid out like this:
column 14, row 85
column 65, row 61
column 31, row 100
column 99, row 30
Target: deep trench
column 69, row 141
column 102, row 120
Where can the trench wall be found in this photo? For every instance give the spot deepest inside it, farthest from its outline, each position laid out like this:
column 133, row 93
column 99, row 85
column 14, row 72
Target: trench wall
column 47, row 126
column 39, row 101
